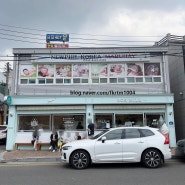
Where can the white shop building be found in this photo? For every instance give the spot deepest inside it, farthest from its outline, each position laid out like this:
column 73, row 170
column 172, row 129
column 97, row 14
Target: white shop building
column 110, row 86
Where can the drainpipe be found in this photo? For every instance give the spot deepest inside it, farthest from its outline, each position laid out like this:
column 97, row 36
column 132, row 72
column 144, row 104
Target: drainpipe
column 166, row 73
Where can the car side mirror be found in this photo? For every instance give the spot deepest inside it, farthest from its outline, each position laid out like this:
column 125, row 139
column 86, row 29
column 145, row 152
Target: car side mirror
column 103, row 139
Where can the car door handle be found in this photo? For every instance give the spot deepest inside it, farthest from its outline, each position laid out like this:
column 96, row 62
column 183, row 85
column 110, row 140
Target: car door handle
column 141, row 142
column 117, row 143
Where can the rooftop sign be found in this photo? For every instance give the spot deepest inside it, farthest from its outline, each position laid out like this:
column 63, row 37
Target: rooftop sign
column 57, row 37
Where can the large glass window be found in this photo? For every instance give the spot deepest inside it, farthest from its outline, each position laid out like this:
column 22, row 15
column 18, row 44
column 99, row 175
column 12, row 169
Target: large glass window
column 129, row 120
column 66, row 122
column 151, row 120
column 69, row 121
column 25, row 122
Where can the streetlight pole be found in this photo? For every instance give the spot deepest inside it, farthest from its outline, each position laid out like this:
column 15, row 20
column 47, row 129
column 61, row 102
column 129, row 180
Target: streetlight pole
column 6, row 93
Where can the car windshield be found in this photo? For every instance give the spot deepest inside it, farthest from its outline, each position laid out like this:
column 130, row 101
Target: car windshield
column 99, row 134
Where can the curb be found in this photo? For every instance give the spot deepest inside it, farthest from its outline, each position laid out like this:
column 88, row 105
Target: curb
column 39, row 159
column 29, row 159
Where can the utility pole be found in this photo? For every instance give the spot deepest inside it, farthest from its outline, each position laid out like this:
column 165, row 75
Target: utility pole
column 7, row 72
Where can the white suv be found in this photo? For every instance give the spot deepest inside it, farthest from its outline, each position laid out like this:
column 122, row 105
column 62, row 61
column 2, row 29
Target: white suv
column 119, row 145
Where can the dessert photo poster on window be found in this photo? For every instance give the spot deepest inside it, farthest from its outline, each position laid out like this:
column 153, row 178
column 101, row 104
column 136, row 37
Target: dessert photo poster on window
column 28, row 70
column 99, row 70
column 80, row 70
column 134, row 69
column 116, row 70
column 46, row 70
column 63, row 70
column 152, row 69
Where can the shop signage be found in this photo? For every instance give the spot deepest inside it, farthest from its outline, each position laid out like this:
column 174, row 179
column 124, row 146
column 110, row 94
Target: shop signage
column 129, row 100
column 57, row 37
column 136, row 57
column 57, row 45
column 8, row 100
column 104, row 93
column 91, row 57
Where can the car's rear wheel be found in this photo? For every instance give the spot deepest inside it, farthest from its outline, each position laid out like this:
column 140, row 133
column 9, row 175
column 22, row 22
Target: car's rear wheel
column 80, row 159
column 152, row 158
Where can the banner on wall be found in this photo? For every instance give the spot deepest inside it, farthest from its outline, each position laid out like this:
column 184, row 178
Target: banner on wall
column 121, row 57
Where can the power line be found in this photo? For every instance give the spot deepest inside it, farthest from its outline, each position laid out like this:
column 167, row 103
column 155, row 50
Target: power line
column 83, row 43
column 26, row 28
column 70, row 37
column 73, row 38
column 20, row 40
column 84, row 39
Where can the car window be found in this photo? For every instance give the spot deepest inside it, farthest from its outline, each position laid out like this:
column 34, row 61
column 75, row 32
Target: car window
column 3, row 127
column 146, row 133
column 114, row 134
column 131, row 133
column 98, row 135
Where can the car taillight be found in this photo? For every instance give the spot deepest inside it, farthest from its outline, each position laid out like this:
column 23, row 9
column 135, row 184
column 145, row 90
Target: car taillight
column 4, row 132
column 167, row 140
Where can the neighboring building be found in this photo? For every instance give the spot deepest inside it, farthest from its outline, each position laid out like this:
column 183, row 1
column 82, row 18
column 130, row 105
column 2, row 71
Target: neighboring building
column 2, row 92
column 109, row 86
column 2, row 85
column 176, row 60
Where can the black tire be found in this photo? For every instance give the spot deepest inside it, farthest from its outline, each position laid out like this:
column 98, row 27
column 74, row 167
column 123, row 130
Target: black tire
column 79, row 159
column 152, row 158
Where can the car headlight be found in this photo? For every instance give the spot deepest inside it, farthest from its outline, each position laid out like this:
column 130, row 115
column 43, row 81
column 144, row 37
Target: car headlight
column 66, row 147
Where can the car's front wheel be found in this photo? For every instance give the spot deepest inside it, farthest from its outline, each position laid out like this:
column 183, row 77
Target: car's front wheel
column 80, row 159
column 152, row 158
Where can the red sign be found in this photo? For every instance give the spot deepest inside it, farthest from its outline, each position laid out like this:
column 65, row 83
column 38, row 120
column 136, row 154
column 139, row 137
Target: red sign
column 56, row 45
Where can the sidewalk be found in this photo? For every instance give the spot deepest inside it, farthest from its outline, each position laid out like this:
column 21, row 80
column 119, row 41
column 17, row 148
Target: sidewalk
column 30, row 156
column 45, row 156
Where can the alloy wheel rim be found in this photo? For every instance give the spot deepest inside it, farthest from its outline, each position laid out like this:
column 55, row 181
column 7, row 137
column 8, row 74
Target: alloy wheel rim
column 80, row 160
column 152, row 159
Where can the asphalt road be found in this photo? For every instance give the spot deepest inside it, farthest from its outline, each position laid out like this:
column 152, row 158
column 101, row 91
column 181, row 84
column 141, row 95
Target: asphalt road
column 104, row 174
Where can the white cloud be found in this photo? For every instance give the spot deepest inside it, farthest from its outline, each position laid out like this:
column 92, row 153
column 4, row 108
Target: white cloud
column 141, row 23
